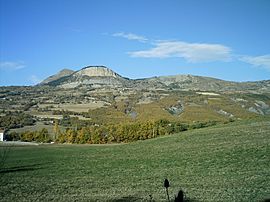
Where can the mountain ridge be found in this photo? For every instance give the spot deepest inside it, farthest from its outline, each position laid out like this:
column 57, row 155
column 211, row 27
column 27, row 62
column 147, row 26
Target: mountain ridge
column 60, row 74
column 100, row 76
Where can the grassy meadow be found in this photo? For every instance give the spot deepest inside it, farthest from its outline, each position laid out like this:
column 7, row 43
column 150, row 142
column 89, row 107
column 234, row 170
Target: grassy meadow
column 222, row 163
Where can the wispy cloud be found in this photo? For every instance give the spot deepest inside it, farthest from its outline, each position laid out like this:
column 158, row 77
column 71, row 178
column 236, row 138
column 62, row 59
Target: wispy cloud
column 262, row 61
column 11, row 66
column 192, row 52
column 131, row 36
column 34, row 79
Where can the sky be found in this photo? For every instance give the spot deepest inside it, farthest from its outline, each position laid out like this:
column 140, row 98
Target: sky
column 225, row 39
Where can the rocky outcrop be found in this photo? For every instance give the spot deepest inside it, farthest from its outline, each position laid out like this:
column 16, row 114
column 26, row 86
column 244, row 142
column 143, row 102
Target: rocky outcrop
column 260, row 107
column 97, row 71
column 96, row 76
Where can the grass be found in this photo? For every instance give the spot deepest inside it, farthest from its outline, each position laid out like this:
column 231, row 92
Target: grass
column 222, row 163
column 80, row 107
column 37, row 126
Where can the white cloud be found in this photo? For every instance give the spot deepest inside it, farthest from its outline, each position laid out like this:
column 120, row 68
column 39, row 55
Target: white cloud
column 131, row 36
column 34, row 79
column 8, row 65
column 259, row 61
column 192, row 52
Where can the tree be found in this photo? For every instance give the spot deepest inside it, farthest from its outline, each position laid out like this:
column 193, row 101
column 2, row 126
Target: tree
column 43, row 135
column 66, row 120
column 71, row 135
column 56, row 129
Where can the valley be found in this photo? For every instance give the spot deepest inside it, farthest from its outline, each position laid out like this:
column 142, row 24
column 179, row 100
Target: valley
column 134, row 101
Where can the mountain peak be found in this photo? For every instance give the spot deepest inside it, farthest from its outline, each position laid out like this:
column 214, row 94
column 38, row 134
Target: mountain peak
column 60, row 74
column 96, row 66
column 97, row 71
column 66, row 71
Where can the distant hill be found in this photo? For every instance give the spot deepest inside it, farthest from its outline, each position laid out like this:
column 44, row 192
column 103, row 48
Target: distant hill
column 63, row 73
column 189, row 82
column 90, row 75
column 101, row 76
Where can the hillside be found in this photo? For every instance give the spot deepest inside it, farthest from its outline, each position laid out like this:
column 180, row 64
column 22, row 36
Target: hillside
column 97, row 96
column 63, row 73
column 223, row 163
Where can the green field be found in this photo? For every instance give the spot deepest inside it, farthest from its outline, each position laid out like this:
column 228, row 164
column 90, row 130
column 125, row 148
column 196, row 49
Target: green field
column 222, row 163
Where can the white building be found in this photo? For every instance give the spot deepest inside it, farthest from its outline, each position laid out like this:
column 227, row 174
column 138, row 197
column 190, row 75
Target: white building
column 2, row 132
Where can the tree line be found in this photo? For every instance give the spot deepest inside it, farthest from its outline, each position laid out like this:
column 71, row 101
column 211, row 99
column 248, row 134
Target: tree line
column 113, row 133
column 16, row 119
column 128, row 132
column 30, row 136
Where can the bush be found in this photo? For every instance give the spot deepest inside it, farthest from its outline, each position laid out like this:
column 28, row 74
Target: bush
column 37, row 136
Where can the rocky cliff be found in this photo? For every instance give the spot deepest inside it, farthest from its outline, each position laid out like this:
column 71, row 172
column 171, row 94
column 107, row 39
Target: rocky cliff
column 96, row 71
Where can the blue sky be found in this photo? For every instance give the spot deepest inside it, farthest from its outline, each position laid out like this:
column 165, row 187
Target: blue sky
column 226, row 39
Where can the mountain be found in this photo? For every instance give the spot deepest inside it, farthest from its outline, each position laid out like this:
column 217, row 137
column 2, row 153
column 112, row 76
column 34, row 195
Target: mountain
column 103, row 77
column 200, row 83
column 63, row 73
column 101, row 96
column 96, row 71
column 96, row 76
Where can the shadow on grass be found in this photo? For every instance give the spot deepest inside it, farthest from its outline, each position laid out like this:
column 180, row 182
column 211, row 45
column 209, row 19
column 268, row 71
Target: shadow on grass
column 127, row 198
column 136, row 199
column 22, row 168
column 190, row 200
